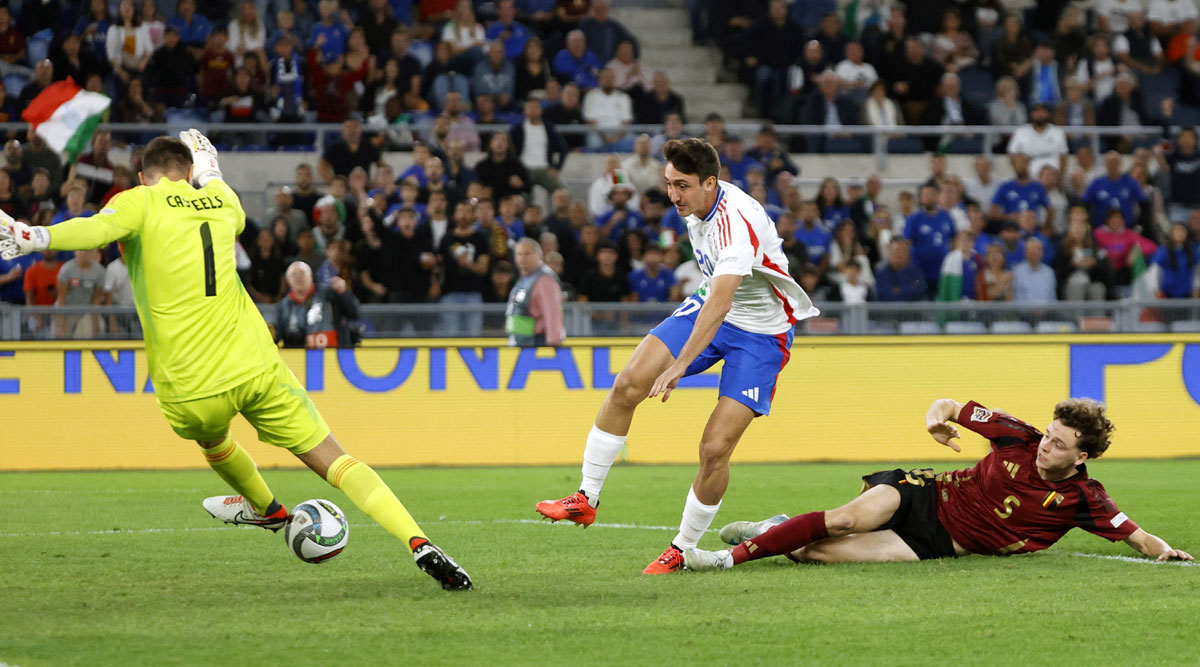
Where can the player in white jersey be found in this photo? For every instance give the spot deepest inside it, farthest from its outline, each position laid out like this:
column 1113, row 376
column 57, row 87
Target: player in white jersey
column 743, row 312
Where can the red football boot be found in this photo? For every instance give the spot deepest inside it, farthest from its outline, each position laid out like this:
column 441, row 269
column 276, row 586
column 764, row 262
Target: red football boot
column 670, row 561
column 574, row 507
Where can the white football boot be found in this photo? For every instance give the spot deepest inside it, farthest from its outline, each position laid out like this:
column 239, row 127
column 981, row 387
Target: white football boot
column 238, row 511
column 699, row 559
column 739, row 531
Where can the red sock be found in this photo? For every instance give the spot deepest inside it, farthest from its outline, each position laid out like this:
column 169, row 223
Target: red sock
column 785, row 538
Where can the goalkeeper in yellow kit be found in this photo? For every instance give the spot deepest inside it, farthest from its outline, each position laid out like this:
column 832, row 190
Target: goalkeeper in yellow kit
column 210, row 353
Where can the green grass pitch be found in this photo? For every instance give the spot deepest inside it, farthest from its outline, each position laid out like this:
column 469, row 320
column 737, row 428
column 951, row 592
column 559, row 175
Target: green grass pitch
column 127, row 569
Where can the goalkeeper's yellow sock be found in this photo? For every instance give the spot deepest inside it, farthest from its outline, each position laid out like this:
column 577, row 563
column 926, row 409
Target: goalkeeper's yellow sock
column 366, row 490
column 236, row 467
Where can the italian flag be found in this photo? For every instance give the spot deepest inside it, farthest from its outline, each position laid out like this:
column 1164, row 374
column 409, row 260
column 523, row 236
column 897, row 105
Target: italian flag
column 66, row 116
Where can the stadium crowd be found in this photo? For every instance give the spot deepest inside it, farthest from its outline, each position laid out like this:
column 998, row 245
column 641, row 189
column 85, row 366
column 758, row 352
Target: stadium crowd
column 1069, row 225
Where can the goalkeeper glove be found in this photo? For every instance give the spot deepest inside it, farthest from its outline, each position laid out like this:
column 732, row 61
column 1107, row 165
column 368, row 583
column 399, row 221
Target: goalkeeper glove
column 204, row 156
column 18, row 238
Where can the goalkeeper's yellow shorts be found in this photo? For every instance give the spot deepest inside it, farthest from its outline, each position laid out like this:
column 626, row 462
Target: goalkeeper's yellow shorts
column 274, row 403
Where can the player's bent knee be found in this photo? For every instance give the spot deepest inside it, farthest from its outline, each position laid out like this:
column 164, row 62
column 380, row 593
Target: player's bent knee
column 628, row 389
column 840, row 523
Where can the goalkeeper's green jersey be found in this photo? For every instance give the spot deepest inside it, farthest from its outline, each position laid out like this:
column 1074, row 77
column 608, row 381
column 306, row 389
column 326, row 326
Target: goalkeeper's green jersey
column 203, row 333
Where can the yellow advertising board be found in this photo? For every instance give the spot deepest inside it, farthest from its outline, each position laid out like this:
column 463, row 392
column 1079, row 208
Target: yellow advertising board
column 472, row 402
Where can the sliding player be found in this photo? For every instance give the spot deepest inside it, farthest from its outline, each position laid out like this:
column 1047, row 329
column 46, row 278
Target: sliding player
column 1026, row 494
column 743, row 313
column 210, row 353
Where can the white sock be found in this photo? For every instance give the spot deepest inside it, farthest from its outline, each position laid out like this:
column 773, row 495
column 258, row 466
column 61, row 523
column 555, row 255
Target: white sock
column 697, row 517
column 602, row 449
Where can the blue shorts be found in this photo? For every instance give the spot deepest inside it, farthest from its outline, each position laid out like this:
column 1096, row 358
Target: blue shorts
column 752, row 361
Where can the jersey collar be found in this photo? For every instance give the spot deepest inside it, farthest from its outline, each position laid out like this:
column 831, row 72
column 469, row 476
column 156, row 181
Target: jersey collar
column 717, row 202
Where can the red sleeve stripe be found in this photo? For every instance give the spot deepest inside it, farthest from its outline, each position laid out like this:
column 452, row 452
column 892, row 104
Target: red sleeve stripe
column 750, row 229
column 787, row 307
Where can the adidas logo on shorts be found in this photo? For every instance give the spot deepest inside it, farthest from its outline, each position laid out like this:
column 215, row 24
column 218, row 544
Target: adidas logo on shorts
column 751, row 394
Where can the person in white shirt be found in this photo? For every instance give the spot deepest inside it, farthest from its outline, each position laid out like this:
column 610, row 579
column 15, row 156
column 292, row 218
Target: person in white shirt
column 1112, row 16
column 1168, row 16
column 856, row 76
column 598, row 190
column 610, row 110
column 644, row 171
column 1033, row 280
column 1044, row 143
column 1098, row 70
column 982, row 188
column 744, row 313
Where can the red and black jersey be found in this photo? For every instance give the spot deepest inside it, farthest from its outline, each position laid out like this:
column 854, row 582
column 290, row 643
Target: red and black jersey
column 1002, row 506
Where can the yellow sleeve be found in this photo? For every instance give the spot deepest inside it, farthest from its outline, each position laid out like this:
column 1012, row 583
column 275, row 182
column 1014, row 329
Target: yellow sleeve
column 118, row 221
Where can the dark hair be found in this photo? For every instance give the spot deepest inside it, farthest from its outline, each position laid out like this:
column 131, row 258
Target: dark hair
column 166, row 154
column 1189, row 251
column 694, row 157
column 1086, row 417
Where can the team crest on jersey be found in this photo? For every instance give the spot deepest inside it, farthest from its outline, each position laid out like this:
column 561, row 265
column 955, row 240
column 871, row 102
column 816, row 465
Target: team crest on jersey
column 981, row 415
column 1053, row 500
column 1119, row 519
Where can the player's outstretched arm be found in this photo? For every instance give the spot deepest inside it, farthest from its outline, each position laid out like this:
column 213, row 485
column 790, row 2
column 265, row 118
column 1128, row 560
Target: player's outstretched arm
column 708, row 320
column 204, row 157
column 1155, row 546
column 937, row 422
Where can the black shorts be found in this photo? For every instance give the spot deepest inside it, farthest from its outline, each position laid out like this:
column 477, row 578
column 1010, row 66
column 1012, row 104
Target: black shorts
column 916, row 520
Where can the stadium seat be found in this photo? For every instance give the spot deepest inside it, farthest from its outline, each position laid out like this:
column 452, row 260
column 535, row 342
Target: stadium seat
column 1149, row 327
column 966, row 328
column 1055, row 326
column 1186, row 326
column 1095, row 324
column 1011, row 327
column 920, row 328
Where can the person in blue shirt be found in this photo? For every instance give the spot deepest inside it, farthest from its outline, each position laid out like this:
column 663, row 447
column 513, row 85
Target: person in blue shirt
column 931, row 231
column 833, row 206
column 1177, row 259
column 1113, row 190
column 898, row 279
column 653, row 283
column 815, row 236
column 1021, row 193
column 12, row 278
column 619, row 218
column 513, row 226
column 1011, row 243
column 576, row 63
column 508, row 30
column 738, row 162
column 193, row 28
column 1030, row 229
column 330, row 34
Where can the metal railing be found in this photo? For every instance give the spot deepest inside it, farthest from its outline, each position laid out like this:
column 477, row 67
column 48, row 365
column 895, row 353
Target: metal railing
column 317, row 134
column 636, row 319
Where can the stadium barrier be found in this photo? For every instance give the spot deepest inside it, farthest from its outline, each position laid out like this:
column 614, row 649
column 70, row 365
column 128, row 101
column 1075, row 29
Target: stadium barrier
column 475, row 402
column 582, row 319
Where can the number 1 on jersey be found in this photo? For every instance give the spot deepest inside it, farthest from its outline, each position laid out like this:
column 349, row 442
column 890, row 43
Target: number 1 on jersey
column 210, row 267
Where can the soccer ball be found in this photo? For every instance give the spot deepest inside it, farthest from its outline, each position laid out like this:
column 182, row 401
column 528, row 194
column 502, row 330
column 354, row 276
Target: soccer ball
column 316, row 531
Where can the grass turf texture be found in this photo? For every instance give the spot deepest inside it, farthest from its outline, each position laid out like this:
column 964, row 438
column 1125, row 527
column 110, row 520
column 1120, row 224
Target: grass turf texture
column 169, row 585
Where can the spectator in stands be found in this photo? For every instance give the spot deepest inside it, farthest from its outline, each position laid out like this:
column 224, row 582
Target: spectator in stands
column 846, row 251
column 898, row 279
column 914, row 80
column 531, row 72
column 43, row 75
column 81, row 283
column 982, row 188
column 1177, row 259
column 651, row 107
column 466, row 37
column 92, row 28
column 773, row 47
column 1083, row 273
column 399, row 262
column 736, row 159
column 1112, row 16
column 950, row 108
column 128, row 43
column 803, row 76
column 1137, row 48
column 609, row 110
column 1075, row 110
column 793, row 248
column 604, row 33
column 1031, row 228
column 265, row 279
column 19, row 172
column 605, row 283
column 995, row 281
column 495, row 76
column 216, row 66
column 193, row 29
column 1044, row 75
column 464, row 256
column 330, row 34
column 1098, row 70
column 1013, row 50
column 12, row 278
column 880, row 111
column 576, row 63
column 540, row 147
column 1114, row 190
column 1123, row 108
column 826, row 107
column 1019, row 194
column 814, row 235
column 1168, row 17
column 288, row 24
column 767, row 152
column 1183, row 168
column 654, row 281
column 856, row 76
column 170, row 73
column 953, row 47
column 11, row 202
column 568, row 112
column 287, row 83
column 501, row 171
column 644, row 171
column 43, row 202
column 313, row 316
column 41, row 280
column 630, row 77
column 508, row 30
column 931, row 231
column 620, row 216
column 1006, row 108
column 1152, row 218
column 1032, row 280
column 349, row 152
column 832, row 205
column 1044, row 143
column 72, row 60
column 1118, row 242
column 535, row 315
column 327, row 219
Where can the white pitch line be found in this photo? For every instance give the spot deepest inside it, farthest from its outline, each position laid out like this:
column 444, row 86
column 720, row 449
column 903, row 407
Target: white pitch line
column 1133, row 559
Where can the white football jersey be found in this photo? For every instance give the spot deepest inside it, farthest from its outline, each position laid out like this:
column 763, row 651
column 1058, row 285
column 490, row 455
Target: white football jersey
column 737, row 237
